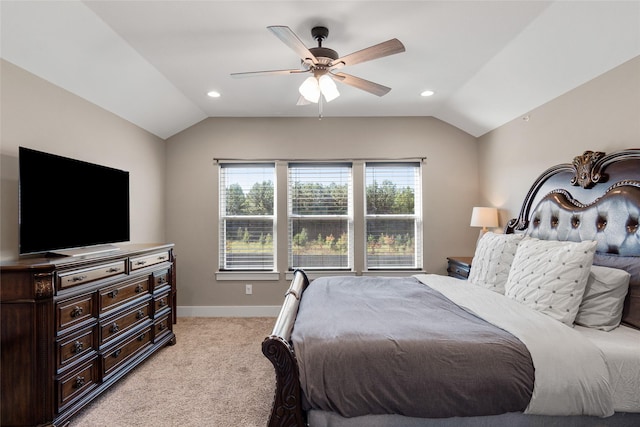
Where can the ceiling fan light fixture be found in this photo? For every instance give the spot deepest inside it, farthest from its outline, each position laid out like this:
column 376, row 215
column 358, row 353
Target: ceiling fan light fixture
column 310, row 89
column 328, row 88
column 302, row 101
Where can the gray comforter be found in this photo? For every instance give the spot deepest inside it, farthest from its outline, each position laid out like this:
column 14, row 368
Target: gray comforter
column 372, row 345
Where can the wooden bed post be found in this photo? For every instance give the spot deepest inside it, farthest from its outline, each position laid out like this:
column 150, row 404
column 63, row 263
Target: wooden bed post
column 287, row 402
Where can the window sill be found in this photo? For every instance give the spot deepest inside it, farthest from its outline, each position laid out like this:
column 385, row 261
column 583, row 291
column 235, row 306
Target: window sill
column 314, row 274
column 266, row 276
column 243, row 276
column 393, row 273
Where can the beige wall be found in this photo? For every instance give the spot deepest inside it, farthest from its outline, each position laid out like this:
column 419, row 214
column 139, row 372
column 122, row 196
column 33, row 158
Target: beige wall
column 450, row 176
column 601, row 115
column 39, row 115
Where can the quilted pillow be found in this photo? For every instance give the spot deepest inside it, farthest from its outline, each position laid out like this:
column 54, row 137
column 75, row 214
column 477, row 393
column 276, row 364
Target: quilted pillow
column 631, row 311
column 550, row 276
column 492, row 260
column 601, row 306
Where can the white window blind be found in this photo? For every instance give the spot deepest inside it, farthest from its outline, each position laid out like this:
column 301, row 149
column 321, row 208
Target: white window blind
column 320, row 216
column 247, row 226
column 393, row 216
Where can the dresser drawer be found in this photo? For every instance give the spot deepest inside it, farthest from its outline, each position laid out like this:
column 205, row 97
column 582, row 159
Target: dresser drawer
column 161, row 280
column 74, row 348
column 115, row 326
column 121, row 293
column 147, row 260
column 161, row 303
column 124, row 351
column 74, row 311
column 161, row 327
column 76, row 384
column 459, row 267
column 79, row 277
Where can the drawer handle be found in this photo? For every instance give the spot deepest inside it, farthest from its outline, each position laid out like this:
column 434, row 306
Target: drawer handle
column 77, row 311
column 114, row 328
column 113, row 270
column 140, row 314
column 161, row 280
column 77, row 347
column 162, row 327
column 139, row 289
column 78, row 278
column 162, row 303
column 116, row 353
column 141, row 262
column 113, row 293
column 162, row 258
column 79, row 382
column 141, row 337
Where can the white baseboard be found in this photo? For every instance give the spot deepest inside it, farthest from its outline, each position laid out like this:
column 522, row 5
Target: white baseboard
column 229, row 311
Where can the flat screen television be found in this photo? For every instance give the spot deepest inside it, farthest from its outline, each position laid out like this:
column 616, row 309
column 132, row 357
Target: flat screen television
column 68, row 204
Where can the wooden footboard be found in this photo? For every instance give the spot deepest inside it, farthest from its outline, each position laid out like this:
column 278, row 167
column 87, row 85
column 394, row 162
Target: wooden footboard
column 287, row 402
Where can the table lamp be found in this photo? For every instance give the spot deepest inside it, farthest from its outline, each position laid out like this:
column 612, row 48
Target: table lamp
column 484, row 217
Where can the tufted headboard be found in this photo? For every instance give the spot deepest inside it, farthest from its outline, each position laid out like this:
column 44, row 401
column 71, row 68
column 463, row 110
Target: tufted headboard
column 596, row 197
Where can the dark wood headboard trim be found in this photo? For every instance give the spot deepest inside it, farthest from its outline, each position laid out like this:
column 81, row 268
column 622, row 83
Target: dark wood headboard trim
column 589, row 170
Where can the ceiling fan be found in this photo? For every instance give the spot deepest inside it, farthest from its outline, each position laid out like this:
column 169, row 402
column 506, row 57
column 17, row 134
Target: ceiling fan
column 323, row 63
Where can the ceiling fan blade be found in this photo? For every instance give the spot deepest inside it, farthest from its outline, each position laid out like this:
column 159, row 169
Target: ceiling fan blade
column 390, row 47
column 289, row 38
column 267, row 73
column 366, row 85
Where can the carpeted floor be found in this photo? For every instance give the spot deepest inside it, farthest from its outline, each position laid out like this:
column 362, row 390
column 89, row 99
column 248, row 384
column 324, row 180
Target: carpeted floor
column 215, row 375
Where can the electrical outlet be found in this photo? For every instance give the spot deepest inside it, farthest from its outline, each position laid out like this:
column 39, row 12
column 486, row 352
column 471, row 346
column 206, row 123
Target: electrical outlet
column 248, row 289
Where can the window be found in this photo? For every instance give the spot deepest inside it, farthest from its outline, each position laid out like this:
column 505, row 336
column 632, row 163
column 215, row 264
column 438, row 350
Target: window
column 320, row 216
column 247, row 217
column 393, row 215
column 342, row 215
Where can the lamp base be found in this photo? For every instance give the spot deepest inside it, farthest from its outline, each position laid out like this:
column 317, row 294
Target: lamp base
column 482, row 232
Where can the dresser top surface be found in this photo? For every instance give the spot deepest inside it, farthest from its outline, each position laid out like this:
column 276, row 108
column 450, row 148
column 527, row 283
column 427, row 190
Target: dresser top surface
column 53, row 262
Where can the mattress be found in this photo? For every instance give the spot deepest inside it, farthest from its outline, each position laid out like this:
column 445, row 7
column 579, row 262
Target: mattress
column 621, row 348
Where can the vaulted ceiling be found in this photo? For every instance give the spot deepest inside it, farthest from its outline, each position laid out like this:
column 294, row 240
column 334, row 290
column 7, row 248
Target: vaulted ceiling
column 153, row 62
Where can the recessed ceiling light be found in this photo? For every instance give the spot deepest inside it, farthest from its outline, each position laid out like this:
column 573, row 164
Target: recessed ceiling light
column 214, row 94
column 427, row 93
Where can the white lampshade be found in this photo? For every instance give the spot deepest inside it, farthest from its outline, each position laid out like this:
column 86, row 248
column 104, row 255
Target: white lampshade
column 310, row 89
column 484, row 217
column 328, row 88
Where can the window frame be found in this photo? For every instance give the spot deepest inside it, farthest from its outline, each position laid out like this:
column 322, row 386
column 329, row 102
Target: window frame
column 348, row 217
column 357, row 243
column 416, row 216
column 223, row 217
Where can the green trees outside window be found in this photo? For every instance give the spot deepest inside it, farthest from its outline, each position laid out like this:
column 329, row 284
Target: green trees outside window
column 320, row 216
column 247, row 217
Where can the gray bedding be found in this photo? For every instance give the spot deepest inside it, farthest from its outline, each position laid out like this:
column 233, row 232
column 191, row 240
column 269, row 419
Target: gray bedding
column 373, row 345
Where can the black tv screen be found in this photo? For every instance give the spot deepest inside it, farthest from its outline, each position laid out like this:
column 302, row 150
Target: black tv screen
column 67, row 203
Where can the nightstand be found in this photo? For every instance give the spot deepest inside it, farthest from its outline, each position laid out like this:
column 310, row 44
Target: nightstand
column 459, row 266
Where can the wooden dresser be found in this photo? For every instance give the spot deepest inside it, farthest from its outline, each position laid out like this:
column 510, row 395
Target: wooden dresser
column 73, row 326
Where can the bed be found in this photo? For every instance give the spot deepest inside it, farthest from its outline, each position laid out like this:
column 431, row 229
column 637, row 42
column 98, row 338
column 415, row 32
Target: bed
column 546, row 331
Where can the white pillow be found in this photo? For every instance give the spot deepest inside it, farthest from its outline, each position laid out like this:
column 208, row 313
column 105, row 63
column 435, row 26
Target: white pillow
column 492, row 260
column 603, row 299
column 551, row 276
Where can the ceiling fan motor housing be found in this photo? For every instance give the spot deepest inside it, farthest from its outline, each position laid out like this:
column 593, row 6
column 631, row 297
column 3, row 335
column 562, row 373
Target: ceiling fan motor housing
column 323, row 54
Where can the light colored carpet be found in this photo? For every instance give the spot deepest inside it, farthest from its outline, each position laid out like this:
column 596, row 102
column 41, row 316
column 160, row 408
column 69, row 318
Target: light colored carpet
column 215, row 375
